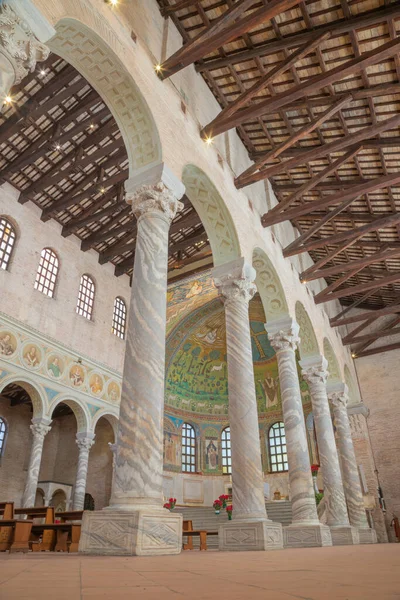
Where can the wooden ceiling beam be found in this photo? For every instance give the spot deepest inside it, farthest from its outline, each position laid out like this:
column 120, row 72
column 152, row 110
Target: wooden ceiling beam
column 188, row 242
column 124, row 266
column 310, row 86
column 371, row 314
column 126, row 244
column 110, row 229
column 169, row 10
column 334, row 184
column 371, row 337
column 378, row 350
column 360, row 288
column 186, row 221
column 335, row 28
column 90, row 216
column 246, row 96
column 223, row 30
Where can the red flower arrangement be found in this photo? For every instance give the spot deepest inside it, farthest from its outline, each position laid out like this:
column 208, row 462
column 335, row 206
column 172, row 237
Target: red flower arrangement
column 314, row 470
column 217, row 506
column 172, row 502
column 167, row 505
column 229, row 510
column 223, row 498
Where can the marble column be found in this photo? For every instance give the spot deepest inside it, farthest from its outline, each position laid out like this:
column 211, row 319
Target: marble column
column 23, row 31
column 314, row 371
column 136, row 522
column 85, row 441
column 351, row 479
column 250, row 528
column 305, row 530
column 39, row 427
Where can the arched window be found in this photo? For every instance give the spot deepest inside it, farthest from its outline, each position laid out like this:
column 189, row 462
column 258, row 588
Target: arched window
column 119, row 318
column 46, row 275
column 188, row 448
column 277, row 448
column 85, row 302
column 7, row 241
column 226, row 450
column 3, row 431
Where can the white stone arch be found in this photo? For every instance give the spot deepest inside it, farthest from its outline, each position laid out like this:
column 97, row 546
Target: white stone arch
column 89, row 45
column 82, row 415
column 269, row 287
column 35, row 391
column 112, row 418
column 335, row 375
column 213, row 213
column 354, row 391
column 308, row 341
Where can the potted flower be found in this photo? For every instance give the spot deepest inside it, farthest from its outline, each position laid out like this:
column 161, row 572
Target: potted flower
column 172, row 502
column 223, row 498
column 217, row 506
column 167, row 506
column 229, row 510
column 314, row 473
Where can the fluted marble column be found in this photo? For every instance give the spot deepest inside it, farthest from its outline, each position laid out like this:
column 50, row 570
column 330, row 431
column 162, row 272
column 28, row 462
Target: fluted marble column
column 314, row 371
column 136, row 522
column 84, row 441
column 39, row 427
column 23, row 31
column 306, row 530
column 250, row 528
column 351, row 479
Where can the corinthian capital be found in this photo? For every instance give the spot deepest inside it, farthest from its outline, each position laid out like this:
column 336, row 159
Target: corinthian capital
column 154, row 199
column 40, row 427
column 85, row 441
column 20, row 49
column 283, row 334
column 338, row 399
column 314, row 370
column 235, row 281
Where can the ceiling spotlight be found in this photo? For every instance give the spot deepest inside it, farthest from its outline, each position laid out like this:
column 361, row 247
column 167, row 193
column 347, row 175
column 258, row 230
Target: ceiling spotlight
column 58, row 147
column 102, row 190
column 91, row 126
column 112, row 2
column 8, row 100
column 157, row 68
column 353, row 355
column 208, row 141
column 43, row 72
column 303, row 280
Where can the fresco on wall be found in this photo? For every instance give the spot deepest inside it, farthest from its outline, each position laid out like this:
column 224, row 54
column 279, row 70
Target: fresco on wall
column 96, row 384
column 32, row 356
column 77, row 375
column 8, row 343
column 172, row 445
column 55, row 366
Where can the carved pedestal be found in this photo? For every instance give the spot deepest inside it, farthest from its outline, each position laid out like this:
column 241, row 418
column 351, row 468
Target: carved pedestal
column 344, row 536
column 250, row 535
column 367, row 536
column 306, row 536
column 123, row 533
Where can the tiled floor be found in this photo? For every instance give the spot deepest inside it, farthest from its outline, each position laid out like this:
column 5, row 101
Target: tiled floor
column 341, row 573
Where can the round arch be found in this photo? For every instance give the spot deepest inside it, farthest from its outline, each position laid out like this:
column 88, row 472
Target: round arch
column 213, row 213
column 335, row 375
column 33, row 389
column 91, row 53
column 78, row 408
column 269, row 286
column 112, row 418
column 308, row 341
column 354, row 392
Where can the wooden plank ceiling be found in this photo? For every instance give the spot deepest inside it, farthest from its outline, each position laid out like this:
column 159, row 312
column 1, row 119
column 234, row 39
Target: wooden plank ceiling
column 62, row 149
column 313, row 90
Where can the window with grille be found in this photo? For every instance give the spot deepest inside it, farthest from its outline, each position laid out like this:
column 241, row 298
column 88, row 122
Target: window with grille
column 85, row 302
column 277, row 448
column 7, row 240
column 46, row 275
column 119, row 318
column 188, row 448
column 226, row 450
column 3, row 431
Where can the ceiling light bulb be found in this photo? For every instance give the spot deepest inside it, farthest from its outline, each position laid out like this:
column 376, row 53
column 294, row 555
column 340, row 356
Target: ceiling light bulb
column 91, row 126
column 209, row 141
column 43, row 72
column 113, row 2
column 8, row 100
column 58, row 147
column 102, row 190
column 158, row 68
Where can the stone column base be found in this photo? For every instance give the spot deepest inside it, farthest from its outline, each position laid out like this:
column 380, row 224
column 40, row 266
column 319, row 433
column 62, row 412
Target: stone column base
column 344, row 536
column 306, row 536
column 139, row 533
column 250, row 535
column 367, row 536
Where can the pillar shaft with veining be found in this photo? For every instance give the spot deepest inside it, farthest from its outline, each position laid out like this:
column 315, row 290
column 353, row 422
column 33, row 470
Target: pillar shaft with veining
column 351, row 478
column 315, row 374
column 138, row 480
column 283, row 336
column 39, row 427
column 235, row 283
column 84, row 442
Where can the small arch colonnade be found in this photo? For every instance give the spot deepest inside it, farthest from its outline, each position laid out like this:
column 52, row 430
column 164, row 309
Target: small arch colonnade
column 154, row 193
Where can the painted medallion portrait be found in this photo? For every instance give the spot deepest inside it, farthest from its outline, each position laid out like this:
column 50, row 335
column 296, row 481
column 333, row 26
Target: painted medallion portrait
column 8, row 343
column 76, row 375
column 96, row 384
column 32, row 356
column 114, row 391
column 55, row 366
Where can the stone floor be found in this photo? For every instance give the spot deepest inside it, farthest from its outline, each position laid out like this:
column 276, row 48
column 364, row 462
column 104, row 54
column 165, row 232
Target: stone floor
column 340, row 573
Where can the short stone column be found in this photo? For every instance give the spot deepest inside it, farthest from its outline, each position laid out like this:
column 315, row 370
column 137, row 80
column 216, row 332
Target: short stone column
column 314, row 371
column 39, row 427
column 85, row 441
column 136, row 522
column 23, row 31
column 305, row 530
column 351, row 479
column 250, row 528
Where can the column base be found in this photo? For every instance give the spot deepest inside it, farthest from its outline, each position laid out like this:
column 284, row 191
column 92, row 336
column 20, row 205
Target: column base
column 306, row 536
column 344, row 536
column 139, row 533
column 240, row 536
column 367, row 535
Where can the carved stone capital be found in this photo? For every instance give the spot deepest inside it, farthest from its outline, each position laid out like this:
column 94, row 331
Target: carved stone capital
column 315, row 375
column 85, row 442
column 338, row 399
column 113, row 447
column 150, row 199
column 20, row 49
column 40, row 428
column 235, row 281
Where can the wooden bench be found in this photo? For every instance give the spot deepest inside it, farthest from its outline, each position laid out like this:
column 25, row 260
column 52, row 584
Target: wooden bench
column 72, row 517
column 189, row 532
column 6, row 534
column 67, row 535
column 48, row 540
column 18, row 533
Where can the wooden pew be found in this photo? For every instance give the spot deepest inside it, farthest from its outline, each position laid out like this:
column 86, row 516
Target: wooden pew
column 67, row 535
column 6, row 532
column 75, row 534
column 49, row 536
column 189, row 532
